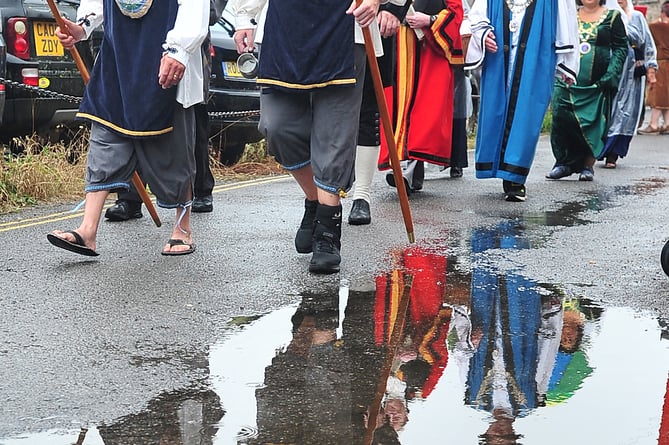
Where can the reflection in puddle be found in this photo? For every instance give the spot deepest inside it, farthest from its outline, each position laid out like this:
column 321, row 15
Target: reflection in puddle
column 184, row 417
column 441, row 348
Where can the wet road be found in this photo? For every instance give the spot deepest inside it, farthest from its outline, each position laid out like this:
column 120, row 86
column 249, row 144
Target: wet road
column 505, row 323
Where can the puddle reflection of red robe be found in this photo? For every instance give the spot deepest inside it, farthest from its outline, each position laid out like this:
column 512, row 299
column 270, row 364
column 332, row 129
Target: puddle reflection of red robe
column 427, row 322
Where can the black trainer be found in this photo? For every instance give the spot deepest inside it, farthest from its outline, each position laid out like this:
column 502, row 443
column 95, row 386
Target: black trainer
column 305, row 234
column 514, row 191
column 124, row 210
column 327, row 240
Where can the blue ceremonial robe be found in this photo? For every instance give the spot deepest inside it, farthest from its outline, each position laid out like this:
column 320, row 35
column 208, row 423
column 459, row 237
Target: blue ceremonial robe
column 516, row 87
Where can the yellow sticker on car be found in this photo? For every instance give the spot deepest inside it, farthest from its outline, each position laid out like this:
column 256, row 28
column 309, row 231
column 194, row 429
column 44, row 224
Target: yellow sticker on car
column 46, row 42
column 231, row 69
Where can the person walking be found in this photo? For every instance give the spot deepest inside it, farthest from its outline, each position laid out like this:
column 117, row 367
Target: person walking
column 390, row 17
column 640, row 66
column 155, row 51
column 521, row 47
column 658, row 93
column 311, row 78
column 428, row 44
column 581, row 112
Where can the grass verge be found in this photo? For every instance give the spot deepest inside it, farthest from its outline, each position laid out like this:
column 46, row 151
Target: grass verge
column 54, row 173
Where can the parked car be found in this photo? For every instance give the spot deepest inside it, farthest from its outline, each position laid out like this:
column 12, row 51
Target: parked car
column 42, row 83
column 234, row 102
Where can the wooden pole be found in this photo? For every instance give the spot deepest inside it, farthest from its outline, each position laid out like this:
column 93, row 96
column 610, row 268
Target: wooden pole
column 391, row 351
column 388, row 132
column 136, row 180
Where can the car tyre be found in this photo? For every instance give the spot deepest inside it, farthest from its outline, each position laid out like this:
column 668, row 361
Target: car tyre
column 664, row 258
column 230, row 154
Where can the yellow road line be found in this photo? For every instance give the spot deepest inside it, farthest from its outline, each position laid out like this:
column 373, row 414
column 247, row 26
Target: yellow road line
column 62, row 216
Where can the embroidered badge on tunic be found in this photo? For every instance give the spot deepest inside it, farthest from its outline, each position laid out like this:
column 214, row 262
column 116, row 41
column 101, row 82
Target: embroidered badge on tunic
column 134, row 8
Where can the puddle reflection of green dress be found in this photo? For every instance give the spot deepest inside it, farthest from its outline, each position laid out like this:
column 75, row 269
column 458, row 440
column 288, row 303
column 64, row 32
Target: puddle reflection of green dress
column 581, row 112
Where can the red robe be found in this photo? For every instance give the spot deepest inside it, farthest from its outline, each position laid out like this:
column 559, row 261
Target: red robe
column 421, row 100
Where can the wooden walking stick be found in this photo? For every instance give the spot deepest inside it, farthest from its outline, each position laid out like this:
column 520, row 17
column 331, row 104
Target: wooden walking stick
column 388, row 131
column 391, row 351
column 136, row 180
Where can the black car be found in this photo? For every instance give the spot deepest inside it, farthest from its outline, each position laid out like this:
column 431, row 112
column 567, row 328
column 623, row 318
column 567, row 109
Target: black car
column 41, row 81
column 42, row 86
column 234, row 102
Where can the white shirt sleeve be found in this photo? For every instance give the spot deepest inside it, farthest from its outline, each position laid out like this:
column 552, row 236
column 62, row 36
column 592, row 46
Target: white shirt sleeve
column 479, row 27
column 90, row 15
column 190, row 29
column 247, row 12
column 566, row 40
column 184, row 44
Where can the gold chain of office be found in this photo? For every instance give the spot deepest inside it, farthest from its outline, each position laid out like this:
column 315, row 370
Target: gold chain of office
column 588, row 30
column 517, row 7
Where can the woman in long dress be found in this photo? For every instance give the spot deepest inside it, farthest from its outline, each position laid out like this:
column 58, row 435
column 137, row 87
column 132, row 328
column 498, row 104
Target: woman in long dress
column 641, row 64
column 658, row 93
column 581, row 112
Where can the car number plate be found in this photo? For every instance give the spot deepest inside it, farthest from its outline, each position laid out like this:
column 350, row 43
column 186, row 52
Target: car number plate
column 231, row 69
column 46, row 42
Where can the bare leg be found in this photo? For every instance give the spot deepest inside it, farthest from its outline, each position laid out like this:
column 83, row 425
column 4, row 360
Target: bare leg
column 327, row 198
column 305, row 179
column 181, row 231
column 88, row 229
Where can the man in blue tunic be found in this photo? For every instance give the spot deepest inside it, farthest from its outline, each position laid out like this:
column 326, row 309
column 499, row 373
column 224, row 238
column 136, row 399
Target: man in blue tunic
column 145, row 81
column 312, row 77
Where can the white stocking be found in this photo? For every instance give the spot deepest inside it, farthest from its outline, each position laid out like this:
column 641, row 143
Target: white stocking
column 366, row 161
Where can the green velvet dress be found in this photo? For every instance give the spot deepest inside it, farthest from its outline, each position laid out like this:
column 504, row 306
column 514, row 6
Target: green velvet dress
column 581, row 112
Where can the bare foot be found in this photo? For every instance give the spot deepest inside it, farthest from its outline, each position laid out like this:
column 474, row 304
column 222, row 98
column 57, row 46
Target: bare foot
column 73, row 241
column 181, row 243
column 71, row 237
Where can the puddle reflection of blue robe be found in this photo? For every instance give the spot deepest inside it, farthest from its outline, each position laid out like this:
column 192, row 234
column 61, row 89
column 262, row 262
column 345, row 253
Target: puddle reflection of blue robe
column 512, row 302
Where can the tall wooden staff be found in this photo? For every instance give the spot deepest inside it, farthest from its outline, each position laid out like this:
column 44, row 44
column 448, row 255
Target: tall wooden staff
column 391, row 351
column 388, row 131
column 136, row 180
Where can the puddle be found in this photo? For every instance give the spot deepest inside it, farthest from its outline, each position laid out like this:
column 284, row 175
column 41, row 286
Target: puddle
column 443, row 347
column 430, row 353
column 511, row 362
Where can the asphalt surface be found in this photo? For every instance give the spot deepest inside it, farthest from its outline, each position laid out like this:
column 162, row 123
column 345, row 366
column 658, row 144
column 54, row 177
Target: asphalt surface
column 93, row 339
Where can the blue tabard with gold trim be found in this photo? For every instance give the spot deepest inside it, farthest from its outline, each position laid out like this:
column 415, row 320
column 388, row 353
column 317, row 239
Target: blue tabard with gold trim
column 123, row 93
column 316, row 52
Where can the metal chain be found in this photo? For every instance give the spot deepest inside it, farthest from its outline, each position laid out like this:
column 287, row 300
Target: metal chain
column 40, row 91
column 75, row 99
column 222, row 114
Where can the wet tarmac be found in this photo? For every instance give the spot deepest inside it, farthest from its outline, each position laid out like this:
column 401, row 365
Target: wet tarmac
column 446, row 345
